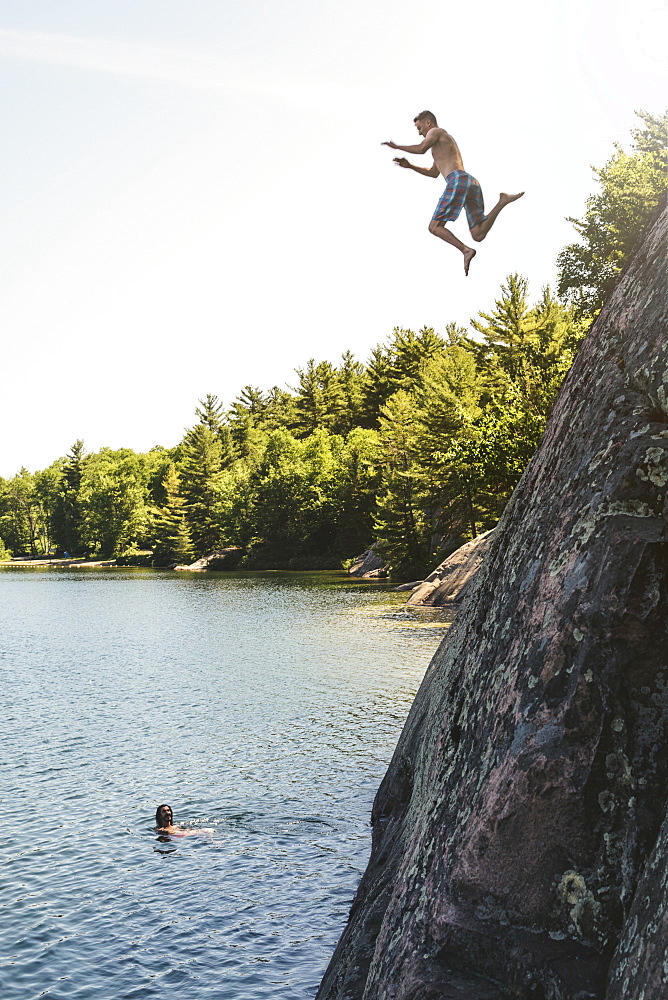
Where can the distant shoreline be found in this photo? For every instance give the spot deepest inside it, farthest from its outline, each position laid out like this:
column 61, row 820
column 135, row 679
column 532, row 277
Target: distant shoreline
column 93, row 564
column 60, row 563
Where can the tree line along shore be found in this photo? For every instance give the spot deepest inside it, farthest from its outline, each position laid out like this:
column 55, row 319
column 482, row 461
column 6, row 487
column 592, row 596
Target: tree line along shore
column 416, row 450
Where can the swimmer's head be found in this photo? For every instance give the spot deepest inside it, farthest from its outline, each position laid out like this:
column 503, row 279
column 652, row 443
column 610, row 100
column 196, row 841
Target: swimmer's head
column 164, row 816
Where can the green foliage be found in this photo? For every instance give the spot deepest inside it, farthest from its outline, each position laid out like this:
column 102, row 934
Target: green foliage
column 631, row 186
column 47, row 486
column 171, row 537
column 415, row 451
column 399, row 522
column 246, row 419
column 351, row 394
column 355, row 484
column 5, row 553
column 527, row 350
column 200, row 469
column 20, row 514
column 27, row 504
column 319, row 400
column 456, row 441
column 398, row 365
column 114, row 498
column 291, row 513
column 68, row 512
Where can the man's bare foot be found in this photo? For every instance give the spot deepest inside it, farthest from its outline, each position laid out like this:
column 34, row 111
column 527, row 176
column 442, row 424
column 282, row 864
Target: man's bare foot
column 506, row 199
column 468, row 257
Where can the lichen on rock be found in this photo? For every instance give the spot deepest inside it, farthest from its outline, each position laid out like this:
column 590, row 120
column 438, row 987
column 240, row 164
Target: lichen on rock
column 520, row 839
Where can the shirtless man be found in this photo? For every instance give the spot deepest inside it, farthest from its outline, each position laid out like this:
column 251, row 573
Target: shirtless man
column 461, row 189
column 164, row 823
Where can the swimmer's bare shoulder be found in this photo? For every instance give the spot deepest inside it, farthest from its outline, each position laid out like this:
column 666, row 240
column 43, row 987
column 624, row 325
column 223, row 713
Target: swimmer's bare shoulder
column 181, row 831
column 164, row 823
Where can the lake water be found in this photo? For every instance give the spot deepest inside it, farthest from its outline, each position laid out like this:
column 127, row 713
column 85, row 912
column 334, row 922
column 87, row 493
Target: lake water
column 266, row 706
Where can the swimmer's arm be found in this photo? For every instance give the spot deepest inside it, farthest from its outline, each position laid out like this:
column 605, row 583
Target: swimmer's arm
column 432, row 171
column 181, row 831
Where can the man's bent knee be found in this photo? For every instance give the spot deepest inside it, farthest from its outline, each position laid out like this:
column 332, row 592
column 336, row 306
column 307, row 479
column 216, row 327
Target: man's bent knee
column 434, row 226
column 476, row 235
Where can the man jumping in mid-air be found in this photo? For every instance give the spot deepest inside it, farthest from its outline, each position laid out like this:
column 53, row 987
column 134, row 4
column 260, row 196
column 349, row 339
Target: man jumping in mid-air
column 461, row 189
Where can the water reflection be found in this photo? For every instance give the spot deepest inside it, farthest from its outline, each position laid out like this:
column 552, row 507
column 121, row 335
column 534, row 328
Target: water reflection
column 165, row 839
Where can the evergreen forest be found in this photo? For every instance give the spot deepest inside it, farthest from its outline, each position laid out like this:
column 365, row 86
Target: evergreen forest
column 414, row 450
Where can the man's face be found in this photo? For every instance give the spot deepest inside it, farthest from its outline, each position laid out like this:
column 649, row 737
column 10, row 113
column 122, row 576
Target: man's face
column 165, row 816
column 423, row 125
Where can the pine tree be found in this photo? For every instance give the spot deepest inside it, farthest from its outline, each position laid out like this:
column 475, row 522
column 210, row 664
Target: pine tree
column 398, row 365
column 319, row 399
column 510, row 323
column 210, row 413
column 247, row 418
column 68, row 515
column 172, row 541
column 399, row 522
column 201, row 465
column 448, row 404
column 253, row 401
column 377, row 384
column 532, row 346
column 351, row 382
column 410, row 353
column 280, row 410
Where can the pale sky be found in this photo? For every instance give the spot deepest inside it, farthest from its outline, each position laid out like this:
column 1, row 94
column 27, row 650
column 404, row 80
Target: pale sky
column 196, row 198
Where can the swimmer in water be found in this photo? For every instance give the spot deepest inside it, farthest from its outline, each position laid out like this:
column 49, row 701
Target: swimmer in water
column 164, row 823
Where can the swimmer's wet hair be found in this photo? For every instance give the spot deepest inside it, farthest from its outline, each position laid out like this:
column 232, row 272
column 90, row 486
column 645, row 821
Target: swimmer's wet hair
column 428, row 116
column 157, row 813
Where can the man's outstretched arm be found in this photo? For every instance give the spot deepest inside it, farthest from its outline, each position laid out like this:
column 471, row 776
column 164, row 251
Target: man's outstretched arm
column 432, row 171
column 429, row 140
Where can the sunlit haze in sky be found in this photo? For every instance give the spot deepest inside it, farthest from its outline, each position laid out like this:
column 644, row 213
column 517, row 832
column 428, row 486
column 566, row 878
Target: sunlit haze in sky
column 196, row 196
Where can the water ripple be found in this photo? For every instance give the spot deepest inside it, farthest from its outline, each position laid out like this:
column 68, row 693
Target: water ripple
column 266, row 707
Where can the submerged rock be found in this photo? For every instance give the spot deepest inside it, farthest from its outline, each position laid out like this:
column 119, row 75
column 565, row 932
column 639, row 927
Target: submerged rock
column 520, row 845
column 451, row 580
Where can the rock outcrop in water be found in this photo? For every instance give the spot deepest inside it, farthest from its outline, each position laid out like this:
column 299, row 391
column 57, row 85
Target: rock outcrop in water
column 369, row 566
column 452, row 579
column 520, row 836
column 220, row 559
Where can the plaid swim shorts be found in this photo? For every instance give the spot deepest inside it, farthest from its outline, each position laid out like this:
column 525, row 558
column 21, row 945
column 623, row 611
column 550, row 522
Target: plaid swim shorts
column 461, row 191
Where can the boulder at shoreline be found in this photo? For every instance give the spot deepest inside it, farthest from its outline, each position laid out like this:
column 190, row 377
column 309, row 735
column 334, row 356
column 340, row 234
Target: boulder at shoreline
column 369, row 566
column 449, row 583
column 220, row 559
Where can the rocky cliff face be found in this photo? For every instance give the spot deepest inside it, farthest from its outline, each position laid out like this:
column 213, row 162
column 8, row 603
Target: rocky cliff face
column 520, row 840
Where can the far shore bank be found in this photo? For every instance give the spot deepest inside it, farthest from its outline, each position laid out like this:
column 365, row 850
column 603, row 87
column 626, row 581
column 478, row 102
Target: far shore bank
column 62, row 563
column 91, row 563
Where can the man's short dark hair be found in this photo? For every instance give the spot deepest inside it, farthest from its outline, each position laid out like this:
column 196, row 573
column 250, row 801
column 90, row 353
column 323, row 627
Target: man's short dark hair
column 426, row 116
